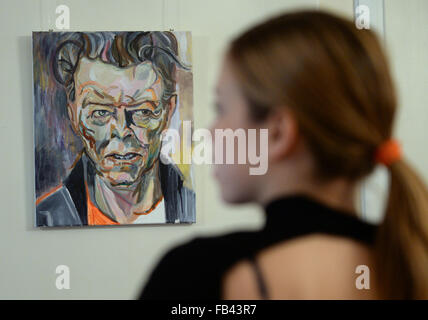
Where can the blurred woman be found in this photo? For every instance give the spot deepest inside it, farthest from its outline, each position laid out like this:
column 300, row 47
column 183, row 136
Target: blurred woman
column 323, row 90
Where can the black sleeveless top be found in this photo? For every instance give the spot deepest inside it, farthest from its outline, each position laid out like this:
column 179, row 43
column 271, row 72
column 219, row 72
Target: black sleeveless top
column 194, row 270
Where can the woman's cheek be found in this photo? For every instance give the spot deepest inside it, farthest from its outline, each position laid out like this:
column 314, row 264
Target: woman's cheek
column 235, row 183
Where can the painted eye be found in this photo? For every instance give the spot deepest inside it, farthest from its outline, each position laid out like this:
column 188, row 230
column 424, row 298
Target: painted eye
column 143, row 113
column 101, row 114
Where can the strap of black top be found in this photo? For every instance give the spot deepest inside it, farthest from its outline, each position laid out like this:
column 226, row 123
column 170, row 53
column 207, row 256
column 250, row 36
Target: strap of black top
column 261, row 284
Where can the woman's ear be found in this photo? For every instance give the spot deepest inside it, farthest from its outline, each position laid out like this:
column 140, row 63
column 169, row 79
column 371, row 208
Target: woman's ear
column 283, row 133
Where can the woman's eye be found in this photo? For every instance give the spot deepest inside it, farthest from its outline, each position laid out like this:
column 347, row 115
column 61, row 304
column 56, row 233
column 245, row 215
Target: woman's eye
column 101, row 114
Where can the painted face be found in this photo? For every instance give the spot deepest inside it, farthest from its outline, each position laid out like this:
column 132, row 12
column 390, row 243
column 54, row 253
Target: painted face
column 119, row 116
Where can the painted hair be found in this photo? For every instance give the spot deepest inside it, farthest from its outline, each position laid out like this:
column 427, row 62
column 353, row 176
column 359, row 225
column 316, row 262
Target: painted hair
column 336, row 81
column 121, row 49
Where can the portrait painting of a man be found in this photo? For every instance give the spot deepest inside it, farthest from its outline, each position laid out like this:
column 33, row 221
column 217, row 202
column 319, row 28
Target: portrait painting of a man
column 101, row 103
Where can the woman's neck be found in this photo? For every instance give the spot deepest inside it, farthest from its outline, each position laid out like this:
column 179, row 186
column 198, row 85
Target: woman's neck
column 338, row 193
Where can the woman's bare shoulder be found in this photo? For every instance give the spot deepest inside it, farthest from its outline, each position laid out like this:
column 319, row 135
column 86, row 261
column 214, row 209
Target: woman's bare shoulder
column 316, row 266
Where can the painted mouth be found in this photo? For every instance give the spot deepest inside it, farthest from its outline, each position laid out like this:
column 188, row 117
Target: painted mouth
column 126, row 156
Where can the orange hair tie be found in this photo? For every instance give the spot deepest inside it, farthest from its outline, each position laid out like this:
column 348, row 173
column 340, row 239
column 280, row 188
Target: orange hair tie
column 388, row 152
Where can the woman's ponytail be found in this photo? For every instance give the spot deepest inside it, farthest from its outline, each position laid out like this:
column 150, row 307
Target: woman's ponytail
column 402, row 241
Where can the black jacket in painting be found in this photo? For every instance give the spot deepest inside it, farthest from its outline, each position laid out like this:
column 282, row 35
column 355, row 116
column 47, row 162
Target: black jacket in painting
column 67, row 206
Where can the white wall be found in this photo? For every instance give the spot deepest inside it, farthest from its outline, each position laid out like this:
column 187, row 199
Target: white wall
column 113, row 262
column 406, row 37
column 105, row 262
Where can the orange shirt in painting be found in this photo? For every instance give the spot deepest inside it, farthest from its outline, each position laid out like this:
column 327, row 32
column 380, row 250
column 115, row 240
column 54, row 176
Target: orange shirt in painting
column 97, row 218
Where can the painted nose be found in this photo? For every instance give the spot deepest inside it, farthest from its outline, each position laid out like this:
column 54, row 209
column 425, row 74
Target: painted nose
column 120, row 127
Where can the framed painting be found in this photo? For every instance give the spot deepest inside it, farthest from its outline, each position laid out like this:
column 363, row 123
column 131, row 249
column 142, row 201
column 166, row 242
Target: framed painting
column 102, row 102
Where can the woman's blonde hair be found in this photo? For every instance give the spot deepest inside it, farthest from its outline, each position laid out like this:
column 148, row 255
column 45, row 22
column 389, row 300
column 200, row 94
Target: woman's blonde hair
column 337, row 82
